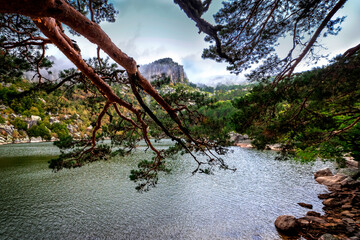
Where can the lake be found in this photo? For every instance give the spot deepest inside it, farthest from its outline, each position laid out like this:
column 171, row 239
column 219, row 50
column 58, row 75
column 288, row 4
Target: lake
column 98, row 201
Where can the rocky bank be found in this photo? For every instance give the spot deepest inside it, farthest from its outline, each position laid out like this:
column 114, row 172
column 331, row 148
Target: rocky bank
column 341, row 206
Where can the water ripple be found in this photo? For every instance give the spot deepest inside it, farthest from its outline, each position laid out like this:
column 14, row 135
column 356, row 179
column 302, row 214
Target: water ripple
column 98, row 201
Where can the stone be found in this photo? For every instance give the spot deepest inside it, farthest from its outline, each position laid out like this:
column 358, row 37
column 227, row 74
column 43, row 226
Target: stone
column 327, row 236
column 287, row 225
column 348, row 220
column 331, row 202
column 303, row 222
column 313, row 213
column 331, row 180
column 350, row 229
column 35, row 118
column 331, row 226
column 352, row 163
column 324, row 196
column 356, row 200
column 346, row 181
column 70, row 128
column 305, row 205
column 351, row 172
column 323, row 172
column 317, row 220
column 347, row 214
column 346, row 206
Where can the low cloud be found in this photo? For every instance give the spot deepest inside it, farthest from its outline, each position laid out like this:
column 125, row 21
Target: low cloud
column 208, row 72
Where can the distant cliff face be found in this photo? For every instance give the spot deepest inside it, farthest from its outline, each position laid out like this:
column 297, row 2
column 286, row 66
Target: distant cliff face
column 166, row 67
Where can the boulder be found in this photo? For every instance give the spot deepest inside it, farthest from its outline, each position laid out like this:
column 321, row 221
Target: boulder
column 35, row 118
column 305, row 205
column 351, row 172
column 287, row 225
column 352, row 163
column 323, row 172
column 313, row 213
column 330, row 180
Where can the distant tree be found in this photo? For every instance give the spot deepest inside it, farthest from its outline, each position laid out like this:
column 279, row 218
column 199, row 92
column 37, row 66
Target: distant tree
column 39, row 131
column 19, row 124
column 12, row 68
column 60, row 129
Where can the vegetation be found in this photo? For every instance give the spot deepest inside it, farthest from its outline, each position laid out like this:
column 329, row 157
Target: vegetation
column 313, row 113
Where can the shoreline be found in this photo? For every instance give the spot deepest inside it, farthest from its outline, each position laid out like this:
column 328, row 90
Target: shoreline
column 28, row 141
column 341, row 205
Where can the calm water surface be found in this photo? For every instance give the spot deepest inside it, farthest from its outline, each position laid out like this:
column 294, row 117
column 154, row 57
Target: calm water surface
column 98, row 201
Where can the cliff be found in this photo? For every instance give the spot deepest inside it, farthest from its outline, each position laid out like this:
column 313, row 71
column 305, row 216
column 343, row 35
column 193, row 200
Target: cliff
column 166, row 67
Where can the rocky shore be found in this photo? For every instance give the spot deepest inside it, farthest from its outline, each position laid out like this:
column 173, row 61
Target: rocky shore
column 341, row 206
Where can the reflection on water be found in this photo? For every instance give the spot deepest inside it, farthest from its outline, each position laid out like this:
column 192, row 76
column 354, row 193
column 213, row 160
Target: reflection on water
column 98, row 201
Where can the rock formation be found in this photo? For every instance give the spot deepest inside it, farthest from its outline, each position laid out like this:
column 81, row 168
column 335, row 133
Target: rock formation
column 164, row 67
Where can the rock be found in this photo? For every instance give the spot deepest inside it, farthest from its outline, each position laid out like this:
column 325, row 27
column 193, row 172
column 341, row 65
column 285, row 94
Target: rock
column 36, row 139
column 317, row 220
column 346, row 181
column 352, row 163
column 77, row 135
column 53, row 120
column 324, row 196
column 331, row 202
column 244, row 145
column 313, row 213
column 238, row 138
column 347, row 214
column 303, row 223
column 323, row 172
column 287, row 225
column 65, row 117
column 327, row 236
column 346, row 206
column 348, row 220
column 9, row 129
column 350, row 229
column 275, row 147
column 35, row 118
column 164, row 67
column 356, row 200
column 70, row 128
column 305, row 205
column 351, row 172
column 331, row 180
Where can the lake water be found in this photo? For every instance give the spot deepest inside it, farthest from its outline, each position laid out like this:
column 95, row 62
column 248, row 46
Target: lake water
column 98, row 201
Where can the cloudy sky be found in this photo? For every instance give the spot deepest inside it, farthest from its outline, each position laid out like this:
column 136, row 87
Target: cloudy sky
column 148, row 30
